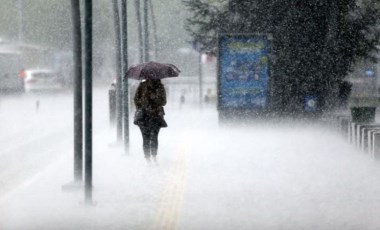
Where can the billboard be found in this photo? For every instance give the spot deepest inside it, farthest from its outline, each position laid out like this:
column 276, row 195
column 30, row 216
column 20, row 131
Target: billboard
column 243, row 71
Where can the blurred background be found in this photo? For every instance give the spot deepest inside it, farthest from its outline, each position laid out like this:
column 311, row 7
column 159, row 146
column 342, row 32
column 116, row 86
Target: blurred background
column 41, row 32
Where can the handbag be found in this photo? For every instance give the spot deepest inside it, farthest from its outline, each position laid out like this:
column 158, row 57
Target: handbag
column 139, row 117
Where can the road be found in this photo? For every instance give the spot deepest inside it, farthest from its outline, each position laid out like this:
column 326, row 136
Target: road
column 282, row 175
column 36, row 130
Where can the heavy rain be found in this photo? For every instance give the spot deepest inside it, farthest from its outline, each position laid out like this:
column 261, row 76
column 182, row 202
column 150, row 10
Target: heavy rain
column 254, row 114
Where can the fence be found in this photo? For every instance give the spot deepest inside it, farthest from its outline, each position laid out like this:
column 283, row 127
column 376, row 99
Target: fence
column 364, row 136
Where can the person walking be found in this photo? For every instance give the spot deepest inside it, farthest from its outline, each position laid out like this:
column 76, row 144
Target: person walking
column 150, row 99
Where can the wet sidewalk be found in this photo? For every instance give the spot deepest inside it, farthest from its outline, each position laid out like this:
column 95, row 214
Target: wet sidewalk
column 288, row 176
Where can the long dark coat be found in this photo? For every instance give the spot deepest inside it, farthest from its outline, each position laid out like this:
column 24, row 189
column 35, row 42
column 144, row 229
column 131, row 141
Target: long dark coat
column 151, row 97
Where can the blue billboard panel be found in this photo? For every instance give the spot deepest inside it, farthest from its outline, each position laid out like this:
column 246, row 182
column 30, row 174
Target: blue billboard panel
column 243, row 72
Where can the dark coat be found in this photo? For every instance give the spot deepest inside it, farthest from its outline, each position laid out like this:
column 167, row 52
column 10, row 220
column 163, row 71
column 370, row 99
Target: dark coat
column 151, row 97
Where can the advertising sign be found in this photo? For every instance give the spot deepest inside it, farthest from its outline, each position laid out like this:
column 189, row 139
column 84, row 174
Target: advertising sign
column 243, row 74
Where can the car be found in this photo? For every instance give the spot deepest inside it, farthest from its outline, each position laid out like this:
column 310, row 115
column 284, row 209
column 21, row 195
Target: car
column 42, row 80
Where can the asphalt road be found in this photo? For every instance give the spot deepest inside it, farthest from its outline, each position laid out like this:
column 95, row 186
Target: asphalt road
column 36, row 130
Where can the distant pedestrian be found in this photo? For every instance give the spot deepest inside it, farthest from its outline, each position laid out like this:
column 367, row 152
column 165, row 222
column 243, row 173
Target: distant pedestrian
column 37, row 105
column 149, row 99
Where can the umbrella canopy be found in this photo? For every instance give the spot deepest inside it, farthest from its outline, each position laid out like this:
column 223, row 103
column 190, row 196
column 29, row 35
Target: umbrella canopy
column 152, row 70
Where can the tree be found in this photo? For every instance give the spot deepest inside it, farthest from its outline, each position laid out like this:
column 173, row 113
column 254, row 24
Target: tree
column 315, row 42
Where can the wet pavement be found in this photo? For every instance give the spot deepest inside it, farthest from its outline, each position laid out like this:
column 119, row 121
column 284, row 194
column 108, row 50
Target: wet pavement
column 208, row 176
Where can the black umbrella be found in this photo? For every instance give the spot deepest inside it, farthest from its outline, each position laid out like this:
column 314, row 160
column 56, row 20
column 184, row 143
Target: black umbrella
column 152, row 70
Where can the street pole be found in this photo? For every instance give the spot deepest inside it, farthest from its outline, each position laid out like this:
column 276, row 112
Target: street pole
column 124, row 35
column 20, row 20
column 200, row 72
column 154, row 26
column 88, row 99
column 139, row 30
column 119, row 112
column 146, row 32
column 78, row 105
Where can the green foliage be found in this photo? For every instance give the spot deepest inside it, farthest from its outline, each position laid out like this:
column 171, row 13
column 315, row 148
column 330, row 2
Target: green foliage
column 315, row 44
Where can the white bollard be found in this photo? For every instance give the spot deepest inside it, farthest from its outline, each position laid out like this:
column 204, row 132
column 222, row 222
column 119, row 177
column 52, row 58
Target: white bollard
column 370, row 139
column 376, row 146
column 357, row 136
column 353, row 133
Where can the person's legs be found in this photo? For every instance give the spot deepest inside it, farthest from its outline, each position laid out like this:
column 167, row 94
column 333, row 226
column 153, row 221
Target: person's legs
column 146, row 141
column 154, row 140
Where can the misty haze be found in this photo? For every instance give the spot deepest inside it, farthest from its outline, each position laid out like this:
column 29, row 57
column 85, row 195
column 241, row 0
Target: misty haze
column 268, row 115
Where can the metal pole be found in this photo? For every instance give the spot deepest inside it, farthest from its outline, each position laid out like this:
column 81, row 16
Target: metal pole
column 20, row 20
column 78, row 105
column 139, row 30
column 124, row 35
column 88, row 99
column 119, row 102
column 200, row 72
column 146, row 31
column 154, row 26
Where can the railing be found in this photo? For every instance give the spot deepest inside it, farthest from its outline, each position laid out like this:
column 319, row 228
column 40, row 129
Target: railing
column 365, row 136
